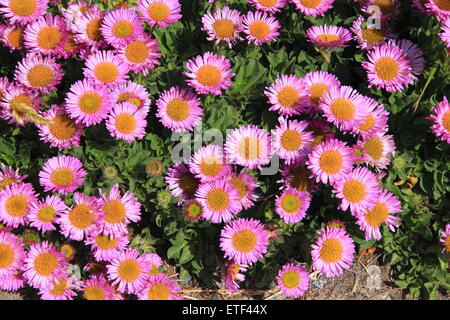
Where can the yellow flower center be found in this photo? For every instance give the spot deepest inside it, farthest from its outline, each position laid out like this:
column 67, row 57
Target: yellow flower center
column 115, row 211
column 259, row 29
column 62, row 177
column 267, row 3
column 122, row 29
column 217, row 199
column 290, row 203
column 94, row 293
column 354, row 191
column 331, row 251
column 210, row 166
column 446, row 121
column 177, row 109
column 240, row 186
column 327, row 38
column 386, row 6
column 21, row 99
column 40, row 76
column 59, row 287
column 46, row 214
column 23, row 8
column 250, row 148
column 158, row 11
column 106, row 72
column 377, row 215
column 343, row 109
column 6, row 181
column 224, row 28
column 136, row 51
column 62, row 127
column 188, row 183
column 90, row 102
column 288, row 97
column 317, row 90
column 49, row 37
column 209, row 75
column 45, row 264
column 368, row 124
column 291, row 140
column 158, row 291
column 372, row 36
column 17, row 205
column 6, row 256
column 443, row 4
column 244, row 240
column 234, row 270
column 81, row 217
column 129, row 270
column 331, row 162
column 310, row 3
column 93, row 29
column 386, row 68
column 290, row 279
column 105, row 242
column 15, row 37
column 447, row 243
column 125, row 123
column 374, row 148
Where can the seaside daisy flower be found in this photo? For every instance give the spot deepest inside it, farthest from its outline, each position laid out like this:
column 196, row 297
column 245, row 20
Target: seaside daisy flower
column 129, row 271
column 11, row 108
column 80, row 220
column 441, row 126
column 297, row 176
column 209, row 73
column 160, row 287
column 15, row 204
column 245, row 185
column 193, row 210
column 59, row 289
column 12, row 254
column 68, row 250
column 104, row 67
column 333, row 252
column 358, row 190
column 368, row 36
column 39, row 73
column 271, row 6
column 44, row 264
column 75, row 10
column 9, row 176
column 292, row 205
column 413, row 54
column 62, row 174
column 97, row 288
column 159, row 13
column 23, row 11
column 291, row 140
column 126, row 122
column 87, row 29
column 118, row 210
column 106, row 247
column 293, row 280
column 179, row 109
column 385, row 205
column 378, row 150
column 344, row 107
column 131, row 92
column 234, row 274
column 330, row 161
column 287, row 95
column 388, row 68
column 440, row 8
column 220, row 201
column 88, row 102
column 182, row 183
column 12, row 282
column 208, row 163
column 46, row 35
column 319, row 82
column 62, row 132
column 224, row 25
column 445, row 238
column 375, row 122
column 43, row 213
column 155, row 261
column 140, row 54
column 248, row 146
column 444, row 35
column 313, row 8
column 13, row 37
column 328, row 36
column 260, row 27
column 244, row 241
column 121, row 26
column 336, row 224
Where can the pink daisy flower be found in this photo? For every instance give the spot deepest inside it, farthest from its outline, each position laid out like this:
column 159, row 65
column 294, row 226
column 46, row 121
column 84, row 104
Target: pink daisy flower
column 97, row 288
column 44, row 264
column 9, row 176
column 313, row 8
column 441, row 126
column 220, row 201
column 413, row 53
column 287, row 95
column 234, row 274
column 444, row 35
column 140, row 54
column 62, row 174
column 297, row 176
column 12, row 254
column 333, row 252
column 378, row 150
column 376, row 120
column 292, row 205
column 330, row 161
column 344, row 107
column 368, row 37
column 182, row 183
column 131, row 92
column 445, row 238
column 328, row 36
column 370, row 221
column 46, row 35
column 245, row 185
column 158, row 12
column 11, row 104
column 209, row 73
column 63, row 132
column 118, row 210
column 440, row 8
column 12, row 37
column 12, row 282
column 179, row 109
column 43, row 213
column 104, row 67
column 248, row 146
column 160, row 287
column 388, row 68
column 293, row 280
column 244, row 241
column 155, row 261
column 208, row 163
column 82, row 219
column 88, row 102
column 39, row 73
column 126, row 122
column 291, row 140
column 270, row 6
column 15, row 204
column 23, row 11
column 87, row 29
column 319, row 82
column 224, row 25
column 107, row 247
column 59, row 289
column 357, row 190
column 76, row 10
column 129, row 271
column 121, row 26
column 260, row 27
